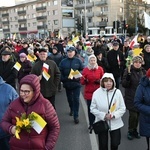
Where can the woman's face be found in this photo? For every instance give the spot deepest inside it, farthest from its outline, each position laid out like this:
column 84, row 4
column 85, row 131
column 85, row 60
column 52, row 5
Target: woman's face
column 92, row 61
column 108, row 83
column 147, row 49
column 26, row 92
column 137, row 64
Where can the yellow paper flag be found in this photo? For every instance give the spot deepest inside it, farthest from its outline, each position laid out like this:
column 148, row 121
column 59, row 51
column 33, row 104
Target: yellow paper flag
column 30, row 58
column 75, row 39
column 113, row 107
column 17, row 66
column 70, row 74
column 137, row 51
column 39, row 123
column 70, row 43
column 76, row 74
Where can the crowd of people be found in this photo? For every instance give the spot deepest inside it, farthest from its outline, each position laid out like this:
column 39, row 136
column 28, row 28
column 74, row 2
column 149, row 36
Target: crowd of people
column 45, row 65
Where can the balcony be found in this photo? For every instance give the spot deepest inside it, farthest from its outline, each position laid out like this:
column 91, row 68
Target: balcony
column 22, row 20
column 101, row 24
column 42, row 8
column 5, row 15
column 22, row 12
column 101, row 14
column 89, row 14
column 6, row 30
column 40, row 27
column 22, row 28
column 82, row 6
column 41, row 18
column 5, row 22
column 100, row 3
column 90, row 24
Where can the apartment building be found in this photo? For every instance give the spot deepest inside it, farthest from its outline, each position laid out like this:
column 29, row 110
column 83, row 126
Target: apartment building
column 43, row 18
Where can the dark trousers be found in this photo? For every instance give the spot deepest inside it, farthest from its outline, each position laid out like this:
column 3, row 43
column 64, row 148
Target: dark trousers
column 117, row 80
column 115, row 138
column 73, row 100
column 52, row 100
column 90, row 115
column 4, row 143
column 133, row 120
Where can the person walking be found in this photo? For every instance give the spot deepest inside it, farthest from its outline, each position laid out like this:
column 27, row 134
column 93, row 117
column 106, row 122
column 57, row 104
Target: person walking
column 71, row 85
column 142, row 103
column 116, row 62
column 7, row 95
column 31, row 101
column 101, row 100
column 91, row 76
column 48, row 87
column 131, row 77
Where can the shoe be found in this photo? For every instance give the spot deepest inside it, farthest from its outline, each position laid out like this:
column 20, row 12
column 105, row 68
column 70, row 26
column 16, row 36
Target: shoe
column 71, row 113
column 136, row 134
column 130, row 135
column 76, row 121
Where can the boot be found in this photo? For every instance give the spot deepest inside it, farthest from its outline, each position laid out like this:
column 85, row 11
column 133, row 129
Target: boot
column 130, row 135
column 136, row 134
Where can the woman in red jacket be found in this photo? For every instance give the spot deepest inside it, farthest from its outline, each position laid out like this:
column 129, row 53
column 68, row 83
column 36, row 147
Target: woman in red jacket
column 91, row 76
column 31, row 100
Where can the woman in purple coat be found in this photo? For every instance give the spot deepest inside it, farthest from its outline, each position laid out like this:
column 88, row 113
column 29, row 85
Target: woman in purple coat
column 31, row 100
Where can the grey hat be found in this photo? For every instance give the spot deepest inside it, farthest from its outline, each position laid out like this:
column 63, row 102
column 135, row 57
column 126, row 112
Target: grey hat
column 42, row 50
column 6, row 52
column 115, row 43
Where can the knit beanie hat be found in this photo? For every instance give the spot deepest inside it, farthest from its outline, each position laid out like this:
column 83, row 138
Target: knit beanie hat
column 148, row 73
column 137, row 58
column 34, row 82
column 23, row 55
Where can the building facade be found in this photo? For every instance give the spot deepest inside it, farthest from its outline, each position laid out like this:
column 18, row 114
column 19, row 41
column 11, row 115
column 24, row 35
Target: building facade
column 48, row 18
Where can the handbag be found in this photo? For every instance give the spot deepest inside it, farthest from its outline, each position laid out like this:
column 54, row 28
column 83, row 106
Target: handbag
column 102, row 126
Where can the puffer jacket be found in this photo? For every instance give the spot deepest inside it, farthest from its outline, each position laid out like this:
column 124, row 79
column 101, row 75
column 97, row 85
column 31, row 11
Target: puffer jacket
column 91, row 80
column 142, row 103
column 47, row 138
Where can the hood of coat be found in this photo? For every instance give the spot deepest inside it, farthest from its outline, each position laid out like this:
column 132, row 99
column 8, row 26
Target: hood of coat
column 145, row 81
column 1, row 80
column 34, row 82
column 109, row 75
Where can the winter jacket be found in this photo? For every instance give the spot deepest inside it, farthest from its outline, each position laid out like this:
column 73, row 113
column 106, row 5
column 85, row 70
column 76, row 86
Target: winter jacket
column 8, row 72
column 130, row 83
column 25, row 69
column 100, row 103
column 7, row 95
column 65, row 67
column 91, row 79
column 146, row 60
column 32, row 141
column 48, row 88
column 113, row 57
column 142, row 103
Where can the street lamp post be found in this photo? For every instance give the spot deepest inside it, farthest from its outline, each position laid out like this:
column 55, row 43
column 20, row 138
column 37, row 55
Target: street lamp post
column 85, row 17
column 136, row 26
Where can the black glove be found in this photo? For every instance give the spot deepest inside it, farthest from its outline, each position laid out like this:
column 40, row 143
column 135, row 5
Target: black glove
column 97, row 81
column 86, row 81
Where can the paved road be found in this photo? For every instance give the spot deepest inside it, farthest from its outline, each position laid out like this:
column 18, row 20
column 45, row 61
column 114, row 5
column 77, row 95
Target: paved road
column 76, row 137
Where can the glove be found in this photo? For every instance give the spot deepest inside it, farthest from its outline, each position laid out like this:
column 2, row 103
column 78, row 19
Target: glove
column 86, row 81
column 97, row 81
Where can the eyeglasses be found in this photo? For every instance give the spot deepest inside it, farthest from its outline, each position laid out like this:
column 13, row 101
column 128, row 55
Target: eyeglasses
column 26, row 92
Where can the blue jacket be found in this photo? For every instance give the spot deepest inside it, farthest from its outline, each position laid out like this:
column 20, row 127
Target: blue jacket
column 7, row 95
column 65, row 66
column 142, row 103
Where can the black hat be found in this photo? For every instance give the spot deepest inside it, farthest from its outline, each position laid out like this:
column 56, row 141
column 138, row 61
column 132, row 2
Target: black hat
column 6, row 52
column 55, row 48
column 115, row 43
column 71, row 48
column 42, row 50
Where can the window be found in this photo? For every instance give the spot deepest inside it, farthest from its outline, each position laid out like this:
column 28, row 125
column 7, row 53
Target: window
column 34, row 24
column 48, row 13
column 28, row 24
column 48, row 4
column 15, row 18
column 55, row 2
column 16, row 25
column 28, row 16
column 55, row 22
column 55, row 12
column 11, row 26
column 33, row 6
column 33, row 15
